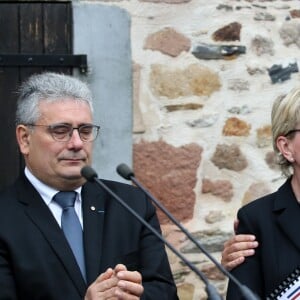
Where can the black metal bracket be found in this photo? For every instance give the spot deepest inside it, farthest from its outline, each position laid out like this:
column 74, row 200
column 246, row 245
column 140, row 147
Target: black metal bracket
column 45, row 60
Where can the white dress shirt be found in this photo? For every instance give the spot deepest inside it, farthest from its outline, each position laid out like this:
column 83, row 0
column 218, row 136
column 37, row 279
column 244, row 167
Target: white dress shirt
column 47, row 194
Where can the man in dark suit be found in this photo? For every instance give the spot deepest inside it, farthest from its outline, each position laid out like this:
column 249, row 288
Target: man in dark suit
column 120, row 258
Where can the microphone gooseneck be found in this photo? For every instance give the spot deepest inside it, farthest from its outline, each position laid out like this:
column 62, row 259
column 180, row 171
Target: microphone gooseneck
column 125, row 171
column 88, row 173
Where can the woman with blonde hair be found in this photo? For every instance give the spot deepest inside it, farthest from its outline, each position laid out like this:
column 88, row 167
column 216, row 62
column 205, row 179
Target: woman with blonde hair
column 274, row 220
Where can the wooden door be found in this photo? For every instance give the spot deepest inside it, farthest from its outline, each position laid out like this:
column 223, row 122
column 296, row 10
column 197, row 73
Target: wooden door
column 27, row 28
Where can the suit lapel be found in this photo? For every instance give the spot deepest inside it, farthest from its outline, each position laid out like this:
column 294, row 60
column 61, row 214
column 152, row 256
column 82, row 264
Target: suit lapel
column 41, row 216
column 93, row 199
column 287, row 208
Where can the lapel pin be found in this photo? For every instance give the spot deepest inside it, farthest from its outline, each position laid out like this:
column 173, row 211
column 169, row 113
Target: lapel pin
column 93, row 208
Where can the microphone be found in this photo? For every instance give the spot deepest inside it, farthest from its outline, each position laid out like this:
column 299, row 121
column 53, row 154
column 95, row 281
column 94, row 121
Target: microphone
column 90, row 175
column 124, row 171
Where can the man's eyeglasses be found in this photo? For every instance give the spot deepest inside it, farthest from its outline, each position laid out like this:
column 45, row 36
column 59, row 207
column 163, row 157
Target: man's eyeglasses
column 63, row 132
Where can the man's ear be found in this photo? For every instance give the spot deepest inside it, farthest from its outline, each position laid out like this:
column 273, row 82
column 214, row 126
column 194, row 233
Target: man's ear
column 23, row 138
column 285, row 147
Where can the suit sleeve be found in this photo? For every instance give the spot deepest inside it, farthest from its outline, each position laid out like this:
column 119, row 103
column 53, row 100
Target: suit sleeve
column 248, row 273
column 157, row 277
column 7, row 281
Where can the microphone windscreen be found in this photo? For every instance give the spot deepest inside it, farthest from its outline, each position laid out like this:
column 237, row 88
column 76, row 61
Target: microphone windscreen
column 125, row 171
column 88, row 173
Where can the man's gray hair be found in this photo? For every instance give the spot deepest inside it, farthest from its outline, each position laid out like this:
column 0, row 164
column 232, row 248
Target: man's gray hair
column 49, row 87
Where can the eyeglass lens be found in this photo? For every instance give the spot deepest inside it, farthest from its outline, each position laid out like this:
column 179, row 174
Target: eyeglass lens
column 64, row 132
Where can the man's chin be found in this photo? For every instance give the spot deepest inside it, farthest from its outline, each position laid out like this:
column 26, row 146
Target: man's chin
column 72, row 173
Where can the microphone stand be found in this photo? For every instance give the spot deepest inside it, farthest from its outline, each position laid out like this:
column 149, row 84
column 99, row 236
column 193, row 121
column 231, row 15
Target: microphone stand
column 125, row 172
column 88, row 173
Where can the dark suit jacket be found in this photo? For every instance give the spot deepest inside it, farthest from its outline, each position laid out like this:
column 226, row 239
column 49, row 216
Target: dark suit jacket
column 275, row 220
column 37, row 263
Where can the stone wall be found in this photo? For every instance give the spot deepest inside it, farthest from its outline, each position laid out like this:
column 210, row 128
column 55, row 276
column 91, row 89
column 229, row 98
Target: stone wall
column 205, row 76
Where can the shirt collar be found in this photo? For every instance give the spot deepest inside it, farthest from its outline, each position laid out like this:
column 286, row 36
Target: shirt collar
column 44, row 190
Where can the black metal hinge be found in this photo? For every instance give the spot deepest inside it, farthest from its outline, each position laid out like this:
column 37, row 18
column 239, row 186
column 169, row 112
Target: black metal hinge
column 45, row 60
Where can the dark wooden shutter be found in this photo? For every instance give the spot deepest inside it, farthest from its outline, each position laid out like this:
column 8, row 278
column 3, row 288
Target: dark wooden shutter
column 27, row 28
